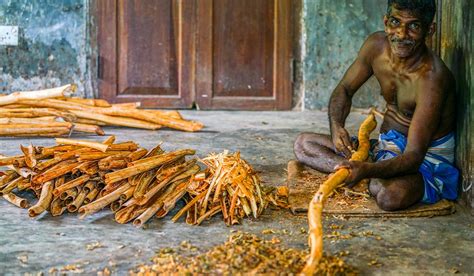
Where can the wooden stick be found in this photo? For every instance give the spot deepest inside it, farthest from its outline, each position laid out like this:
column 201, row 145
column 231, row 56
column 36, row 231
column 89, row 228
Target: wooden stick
column 316, row 205
column 38, row 94
column 16, row 200
column 44, row 200
column 94, row 145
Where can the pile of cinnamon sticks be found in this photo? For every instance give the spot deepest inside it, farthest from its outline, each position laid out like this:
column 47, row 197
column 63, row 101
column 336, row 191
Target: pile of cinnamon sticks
column 137, row 184
column 53, row 113
column 229, row 186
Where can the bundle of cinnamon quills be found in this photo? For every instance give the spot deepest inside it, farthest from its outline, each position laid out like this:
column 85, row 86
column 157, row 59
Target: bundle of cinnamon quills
column 229, row 186
column 135, row 183
column 54, row 113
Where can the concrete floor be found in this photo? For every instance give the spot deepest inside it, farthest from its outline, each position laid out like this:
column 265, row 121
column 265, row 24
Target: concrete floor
column 413, row 246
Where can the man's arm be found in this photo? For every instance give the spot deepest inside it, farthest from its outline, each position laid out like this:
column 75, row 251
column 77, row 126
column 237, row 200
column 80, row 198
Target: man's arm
column 341, row 98
column 429, row 101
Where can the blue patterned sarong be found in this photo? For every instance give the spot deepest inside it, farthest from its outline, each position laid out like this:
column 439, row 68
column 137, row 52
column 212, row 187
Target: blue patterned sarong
column 439, row 174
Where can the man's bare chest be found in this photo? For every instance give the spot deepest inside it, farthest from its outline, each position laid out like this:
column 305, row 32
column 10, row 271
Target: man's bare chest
column 398, row 90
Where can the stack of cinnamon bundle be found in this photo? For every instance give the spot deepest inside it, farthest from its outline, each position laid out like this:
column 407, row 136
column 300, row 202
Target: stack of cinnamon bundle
column 53, row 113
column 137, row 184
column 85, row 177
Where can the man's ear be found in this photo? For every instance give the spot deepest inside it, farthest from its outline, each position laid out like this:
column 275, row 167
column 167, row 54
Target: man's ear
column 431, row 29
column 385, row 22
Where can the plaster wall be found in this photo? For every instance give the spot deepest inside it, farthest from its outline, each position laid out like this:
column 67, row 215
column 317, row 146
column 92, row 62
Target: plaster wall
column 53, row 48
column 457, row 51
column 332, row 33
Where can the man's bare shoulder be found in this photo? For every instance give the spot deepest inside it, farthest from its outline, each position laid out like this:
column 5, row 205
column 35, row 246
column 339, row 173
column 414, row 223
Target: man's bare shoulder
column 373, row 46
column 437, row 72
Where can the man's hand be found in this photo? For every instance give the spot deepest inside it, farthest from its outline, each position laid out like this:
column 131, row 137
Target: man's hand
column 357, row 171
column 342, row 142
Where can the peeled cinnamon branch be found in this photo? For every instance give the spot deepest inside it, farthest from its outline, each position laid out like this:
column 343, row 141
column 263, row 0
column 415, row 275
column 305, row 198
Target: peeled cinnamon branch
column 123, row 112
column 114, row 120
column 16, row 200
column 316, row 205
column 28, row 129
column 38, row 94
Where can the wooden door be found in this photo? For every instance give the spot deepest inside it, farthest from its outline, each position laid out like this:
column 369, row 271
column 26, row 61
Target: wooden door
column 244, row 54
column 221, row 54
column 146, row 52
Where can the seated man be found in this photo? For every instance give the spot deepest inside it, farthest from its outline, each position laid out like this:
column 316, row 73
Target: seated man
column 413, row 157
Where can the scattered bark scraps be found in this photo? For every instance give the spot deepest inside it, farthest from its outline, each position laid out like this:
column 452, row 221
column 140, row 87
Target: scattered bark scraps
column 242, row 254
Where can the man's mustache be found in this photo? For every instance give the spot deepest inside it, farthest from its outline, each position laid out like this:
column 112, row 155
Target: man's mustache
column 403, row 41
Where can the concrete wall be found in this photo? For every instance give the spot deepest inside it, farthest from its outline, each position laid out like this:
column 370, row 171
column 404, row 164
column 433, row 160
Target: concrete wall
column 54, row 46
column 457, row 51
column 332, row 34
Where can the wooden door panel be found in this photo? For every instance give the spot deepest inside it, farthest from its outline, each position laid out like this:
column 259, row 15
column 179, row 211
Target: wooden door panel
column 147, row 62
column 242, row 59
column 146, row 50
column 244, row 54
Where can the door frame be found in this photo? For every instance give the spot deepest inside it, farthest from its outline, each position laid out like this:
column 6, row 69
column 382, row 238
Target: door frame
column 101, row 78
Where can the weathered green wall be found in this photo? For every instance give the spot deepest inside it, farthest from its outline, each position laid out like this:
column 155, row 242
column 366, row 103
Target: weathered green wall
column 457, row 50
column 53, row 45
column 332, row 33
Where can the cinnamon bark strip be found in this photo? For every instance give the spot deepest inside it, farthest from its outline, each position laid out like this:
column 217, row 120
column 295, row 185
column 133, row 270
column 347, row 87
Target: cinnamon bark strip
column 71, row 194
column 71, row 184
column 57, row 207
column 73, row 206
column 11, row 186
column 29, row 129
column 151, row 163
column 29, row 155
column 170, row 113
column 10, row 160
column 91, row 102
column 36, row 112
column 89, row 128
column 90, row 122
column 94, row 145
column 37, row 120
column 38, row 94
column 186, row 170
column 112, row 162
column 116, row 121
column 125, row 146
column 44, row 200
column 102, row 202
column 91, row 195
column 16, row 200
column 137, row 154
column 57, row 170
column 188, row 206
column 109, row 140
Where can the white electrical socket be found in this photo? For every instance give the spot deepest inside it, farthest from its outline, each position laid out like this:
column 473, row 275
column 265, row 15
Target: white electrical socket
column 9, row 35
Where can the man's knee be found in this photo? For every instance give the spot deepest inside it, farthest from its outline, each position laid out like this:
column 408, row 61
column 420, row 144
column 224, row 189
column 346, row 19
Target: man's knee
column 300, row 141
column 389, row 200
